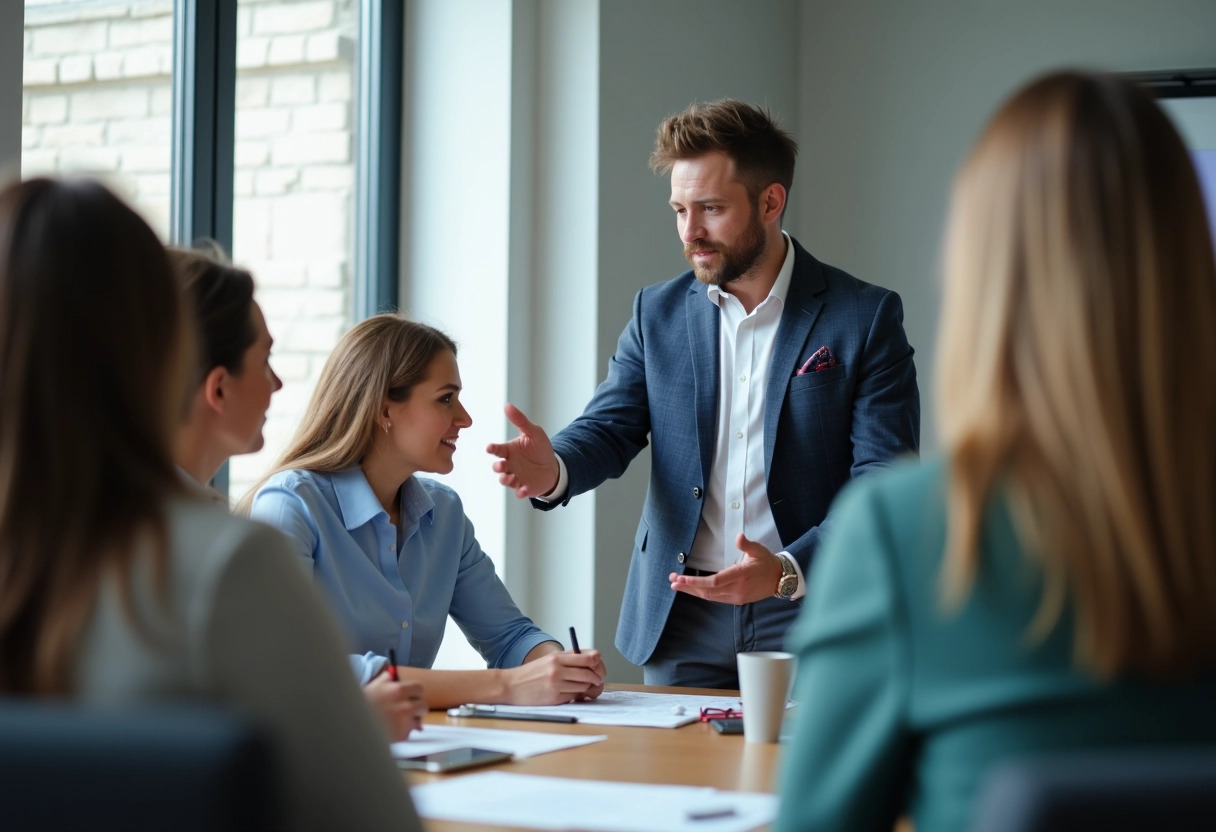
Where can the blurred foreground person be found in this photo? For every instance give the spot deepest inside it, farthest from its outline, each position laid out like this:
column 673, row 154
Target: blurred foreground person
column 1050, row 584
column 117, row 586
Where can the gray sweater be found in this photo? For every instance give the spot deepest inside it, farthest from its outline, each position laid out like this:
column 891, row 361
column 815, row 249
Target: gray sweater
column 243, row 627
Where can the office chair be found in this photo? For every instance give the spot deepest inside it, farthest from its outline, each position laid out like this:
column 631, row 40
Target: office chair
column 184, row 768
column 1117, row 790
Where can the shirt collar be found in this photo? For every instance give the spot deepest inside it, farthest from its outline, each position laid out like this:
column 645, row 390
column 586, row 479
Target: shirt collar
column 781, row 286
column 359, row 505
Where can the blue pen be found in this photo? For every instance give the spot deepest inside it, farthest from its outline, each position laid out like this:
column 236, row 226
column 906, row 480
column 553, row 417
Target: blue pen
column 574, row 641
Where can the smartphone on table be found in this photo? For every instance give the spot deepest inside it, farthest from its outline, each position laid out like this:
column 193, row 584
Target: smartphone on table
column 453, row 760
column 727, row 726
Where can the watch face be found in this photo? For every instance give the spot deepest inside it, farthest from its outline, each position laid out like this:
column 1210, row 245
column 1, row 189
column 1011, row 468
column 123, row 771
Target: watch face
column 787, row 586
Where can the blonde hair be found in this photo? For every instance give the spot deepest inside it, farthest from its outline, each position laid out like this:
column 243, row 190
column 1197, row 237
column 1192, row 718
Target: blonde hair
column 1076, row 366
column 381, row 357
column 95, row 350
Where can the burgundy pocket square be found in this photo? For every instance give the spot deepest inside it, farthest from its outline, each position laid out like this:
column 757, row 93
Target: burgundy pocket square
column 821, row 360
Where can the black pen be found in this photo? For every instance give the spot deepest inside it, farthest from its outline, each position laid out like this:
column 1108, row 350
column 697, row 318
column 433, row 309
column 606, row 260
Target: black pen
column 490, row 712
column 574, row 640
column 711, row 814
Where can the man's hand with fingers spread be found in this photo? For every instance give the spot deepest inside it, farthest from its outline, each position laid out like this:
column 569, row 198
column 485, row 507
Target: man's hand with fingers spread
column 751, row 579
column 527, row 463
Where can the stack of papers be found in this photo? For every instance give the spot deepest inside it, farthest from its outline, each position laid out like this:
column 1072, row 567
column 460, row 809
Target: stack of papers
column 621, row 707
column 500, row 798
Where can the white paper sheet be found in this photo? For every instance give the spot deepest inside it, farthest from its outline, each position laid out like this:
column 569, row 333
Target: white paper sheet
column 435, row 738
column 648, row 710
column 562, row 803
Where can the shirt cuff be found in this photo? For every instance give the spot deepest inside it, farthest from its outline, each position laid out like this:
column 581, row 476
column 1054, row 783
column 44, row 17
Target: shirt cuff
column 563, row 482
column 367, row 666
column 801, row 591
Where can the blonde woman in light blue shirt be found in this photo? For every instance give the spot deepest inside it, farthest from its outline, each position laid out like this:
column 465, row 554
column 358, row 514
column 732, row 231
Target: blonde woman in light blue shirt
column 395, row 553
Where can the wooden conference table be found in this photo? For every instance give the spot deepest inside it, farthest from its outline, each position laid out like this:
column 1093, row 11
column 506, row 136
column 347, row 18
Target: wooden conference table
column 693, row 755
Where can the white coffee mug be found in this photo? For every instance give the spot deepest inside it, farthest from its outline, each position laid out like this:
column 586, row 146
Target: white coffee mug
column 764, row 683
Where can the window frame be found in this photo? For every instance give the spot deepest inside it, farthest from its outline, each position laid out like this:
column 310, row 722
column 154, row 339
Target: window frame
column 202, row 187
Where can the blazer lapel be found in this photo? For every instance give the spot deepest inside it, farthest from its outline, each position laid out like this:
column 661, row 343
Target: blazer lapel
column 802, row 309
column 703, row 322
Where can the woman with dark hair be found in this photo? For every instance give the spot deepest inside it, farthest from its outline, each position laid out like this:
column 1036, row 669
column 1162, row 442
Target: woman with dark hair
column 228, row 409
column 1049, row 585
column 117, row 586
column 235, row 380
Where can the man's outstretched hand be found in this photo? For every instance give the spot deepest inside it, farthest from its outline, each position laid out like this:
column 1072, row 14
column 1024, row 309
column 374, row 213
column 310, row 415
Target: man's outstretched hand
column 527, row 463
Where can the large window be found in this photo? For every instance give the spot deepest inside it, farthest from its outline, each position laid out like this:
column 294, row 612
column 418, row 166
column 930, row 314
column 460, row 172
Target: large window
column 279, row 105
column 293, row 209
column 97, row 96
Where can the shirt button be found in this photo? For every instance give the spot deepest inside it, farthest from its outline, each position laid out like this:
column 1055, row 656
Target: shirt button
column 696, row 491
column 405, row 625
column 742, row 378
column 738, row 434
column 680, row 558
column 735, row 504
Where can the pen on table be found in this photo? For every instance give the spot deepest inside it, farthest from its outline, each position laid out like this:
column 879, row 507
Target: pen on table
column 711, row 814
column 574, row 640
column 392, row 664
column 490, row 712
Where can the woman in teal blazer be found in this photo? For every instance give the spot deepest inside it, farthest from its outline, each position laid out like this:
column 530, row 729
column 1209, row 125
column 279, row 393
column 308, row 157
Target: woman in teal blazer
column 1051, row 583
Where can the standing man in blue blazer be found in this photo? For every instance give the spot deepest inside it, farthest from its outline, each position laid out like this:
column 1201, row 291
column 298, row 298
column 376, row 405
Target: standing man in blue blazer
column 765, row 380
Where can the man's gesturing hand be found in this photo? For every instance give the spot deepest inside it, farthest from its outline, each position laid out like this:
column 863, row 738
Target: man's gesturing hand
column 751, row 579
column 527, row 463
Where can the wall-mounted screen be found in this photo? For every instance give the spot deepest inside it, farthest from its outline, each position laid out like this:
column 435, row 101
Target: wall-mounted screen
column 1189, row 98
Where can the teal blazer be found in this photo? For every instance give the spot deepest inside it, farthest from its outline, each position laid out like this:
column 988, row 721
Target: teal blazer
column 904, row 708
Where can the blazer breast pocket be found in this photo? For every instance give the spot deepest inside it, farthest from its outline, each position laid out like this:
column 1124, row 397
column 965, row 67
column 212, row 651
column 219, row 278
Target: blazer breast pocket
column 813, row 381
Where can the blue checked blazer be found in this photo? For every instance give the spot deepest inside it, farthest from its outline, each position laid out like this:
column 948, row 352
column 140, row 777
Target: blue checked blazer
column 820, row 429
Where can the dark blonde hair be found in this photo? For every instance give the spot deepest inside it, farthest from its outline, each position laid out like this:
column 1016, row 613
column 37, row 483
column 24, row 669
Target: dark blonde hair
column 1077, row 368
column 763, row 153
column 384, row 356
column 92, row 360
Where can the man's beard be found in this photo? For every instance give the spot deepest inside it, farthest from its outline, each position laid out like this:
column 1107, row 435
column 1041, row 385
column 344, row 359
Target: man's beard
column 735, row 261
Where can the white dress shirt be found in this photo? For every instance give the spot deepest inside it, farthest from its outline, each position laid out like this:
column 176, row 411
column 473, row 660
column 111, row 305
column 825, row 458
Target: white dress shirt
column 736, row 498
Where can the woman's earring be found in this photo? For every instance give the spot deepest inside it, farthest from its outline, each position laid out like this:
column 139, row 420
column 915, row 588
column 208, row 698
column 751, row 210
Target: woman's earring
column 387, row 425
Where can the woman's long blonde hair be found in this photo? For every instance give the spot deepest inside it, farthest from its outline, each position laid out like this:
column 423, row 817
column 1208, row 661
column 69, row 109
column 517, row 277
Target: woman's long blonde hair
column 95, row 351
column 381, row 357
column 1077, row 369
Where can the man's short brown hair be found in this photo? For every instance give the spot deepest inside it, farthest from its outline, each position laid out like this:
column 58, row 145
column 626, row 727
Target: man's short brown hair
column 763, row 153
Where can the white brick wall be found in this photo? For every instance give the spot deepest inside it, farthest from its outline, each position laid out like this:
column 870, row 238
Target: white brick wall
column 98, row 100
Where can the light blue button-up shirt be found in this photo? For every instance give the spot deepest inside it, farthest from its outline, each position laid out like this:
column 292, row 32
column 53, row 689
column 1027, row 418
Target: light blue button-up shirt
column 390, row 596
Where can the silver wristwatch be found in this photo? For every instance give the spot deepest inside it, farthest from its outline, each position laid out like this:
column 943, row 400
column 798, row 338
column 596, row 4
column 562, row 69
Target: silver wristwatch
column 788, row 584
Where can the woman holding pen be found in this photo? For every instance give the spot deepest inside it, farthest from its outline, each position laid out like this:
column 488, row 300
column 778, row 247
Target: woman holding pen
column 227, row 412
column 395, row 552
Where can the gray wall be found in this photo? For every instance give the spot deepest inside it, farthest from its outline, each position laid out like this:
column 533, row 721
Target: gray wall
column 892, row 94
column 12, row 45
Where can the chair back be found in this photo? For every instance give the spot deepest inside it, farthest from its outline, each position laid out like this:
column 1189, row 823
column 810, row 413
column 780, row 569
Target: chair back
column 1112, row 791
column 185, row 768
